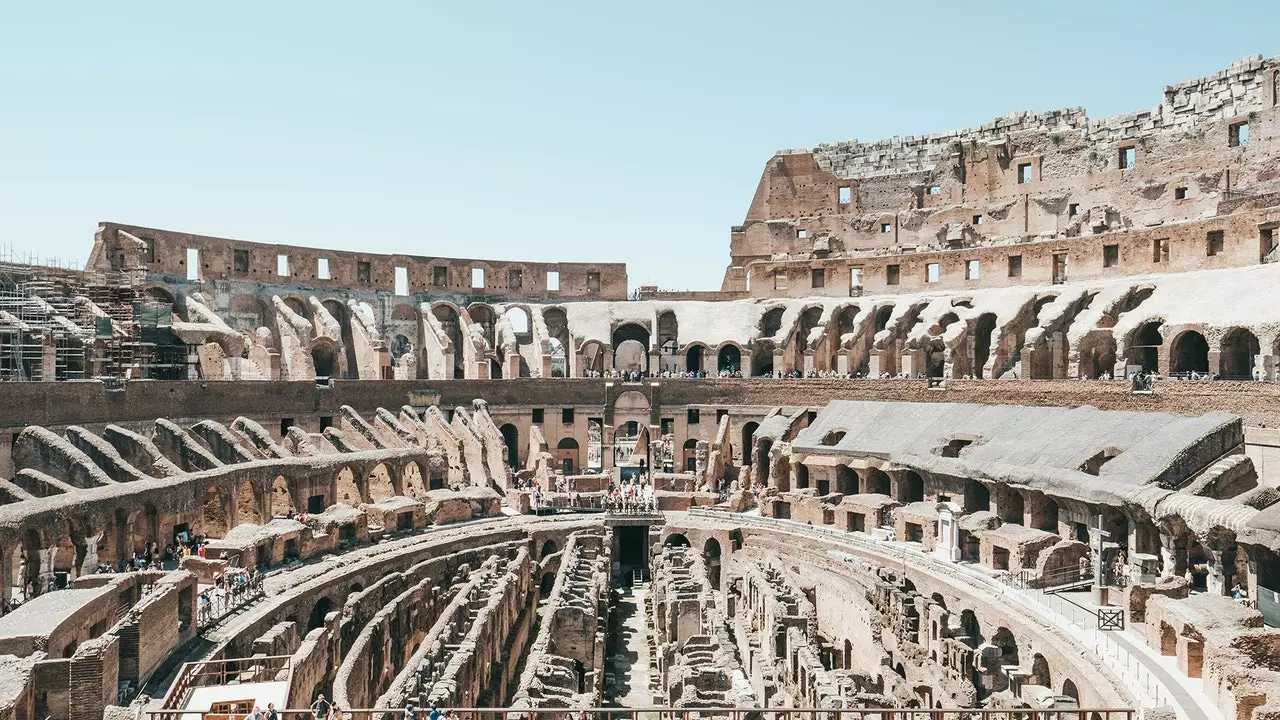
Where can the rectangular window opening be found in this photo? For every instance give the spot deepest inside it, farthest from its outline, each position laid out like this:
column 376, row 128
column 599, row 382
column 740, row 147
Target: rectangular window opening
column 402, row 281
column 855, row 278
column 1110, row 255
column 892, row 274
column 322, row 269
column 977, row 219
column 1160, row 250
column 593, row 282
column 935, row 189
column 477, row 278
column 931, row 272
column 693, row 416
column 1238, row 135
column 972, row 269
column 326, row 422
column 285, row 424
column 802, row 234
column 193, row 264
column 566, row 416
column 1180, row 193
column 1073, row 209
column 1015, row 266
column 440, row 276
column 1128, row 157
column 1216, row 241
column 242, row 261
column 364, row 273
column 282, row 265
column 1024, row 173
column 818, row 277
column 885, row 228
column 1059, row 268
column 844, row 195
column 553, row 281
column 515, row 278
column 538, row 415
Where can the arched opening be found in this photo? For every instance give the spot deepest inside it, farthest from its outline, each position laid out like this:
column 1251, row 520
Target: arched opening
column 511, row 438
column 848, row 654
column 247, row 504
column 450, row 323
column 340, row 313
column 1012, row 508
column 558, row 332
column 322, row 608
column 1049, row 516
column 592, row 358
column 282, row 499
column 325, row 359
column 400, row 346
column 1239, row 347
column 729, row 359
column 910, row 487
column 690, row 461
column 1004, row 640
column 631, row 348
column 1069, row 690
column 676, row 540
column 378, row 484
column 411, row 481
column 762, row 358
column 693, row 359
column 877, row 481
column 546, row 585
column 771, row 322
column 348, row 491
column 846, row 480
column 568, row 455
column 711, row 558
column 976, row 497
column 1040, row 672
column 802, row 476
column 213, row 519
column 1190, row 353
column 548, row 548
column 748, row 433
column 762, row 457
column 982, row 332
column 1097, row 355
column 1145, row 348
column 519, row 320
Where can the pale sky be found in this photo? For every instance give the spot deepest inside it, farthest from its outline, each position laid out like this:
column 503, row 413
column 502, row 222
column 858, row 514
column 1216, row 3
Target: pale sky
column 553, row 131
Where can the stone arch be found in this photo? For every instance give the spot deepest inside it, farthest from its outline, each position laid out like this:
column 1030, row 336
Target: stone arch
column 976, row 497
column 348, row 490
column 342, row 314
column 1144, row 346
column 282, row 504
column 213, row 513
column 748, row 433
column 1189, row 352
column 319, row 611
column 549, row 548
column 762, row 450
column 676, row 540
column 411, row 480
column 771, row 322
column 324, row 357
column 1040, row 672
column 1238, row 349
column 762, row 358
column 1069, row 690
column 546, row 584
column 1097, row 356
column 690, row 454
column 693, row 357
column 711, row 558
column 519, row 319
column 511, row 438
column 729, row 358
column 983, row 330
column 247, row 504
column 1012, row 509
column 910, row 487
column 450, row 319
column 486, row 317
column 846, row 480
column 592, row 357
column 631, row 348
column 160, row 293
column 1049, row 516
column 1008, row 645
column 878, row 481
column 378, row 483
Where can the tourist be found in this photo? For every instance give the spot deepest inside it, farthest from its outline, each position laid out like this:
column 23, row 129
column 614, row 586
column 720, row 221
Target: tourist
column 271, row 712
column 320, row 708
column 255, row 715
column 434, row 715
column 410, row 712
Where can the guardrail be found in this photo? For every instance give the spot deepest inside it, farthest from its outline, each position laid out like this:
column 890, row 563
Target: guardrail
column 673, row 713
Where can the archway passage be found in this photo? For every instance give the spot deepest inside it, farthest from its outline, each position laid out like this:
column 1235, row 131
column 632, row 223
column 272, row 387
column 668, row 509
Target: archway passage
column 247, row 504
column 631, row 348
column 693, row 359
column 729, row 359
column 322, row 608
column 1190, row 353
column 567, row 452
column 411, row 482
column 213, row 521
column 281, row 498
column 1145, row 349
column 711, row 558
column 748, row 433
column 378, row 484
column 911, row 487
column 548, row 548
column 1239, row 348
column 324, row 359
column 511, row 438
column 676, row 540
column 348, row 492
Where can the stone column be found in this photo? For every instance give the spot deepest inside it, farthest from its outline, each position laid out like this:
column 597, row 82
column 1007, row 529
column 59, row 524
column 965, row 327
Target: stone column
column 90, row 564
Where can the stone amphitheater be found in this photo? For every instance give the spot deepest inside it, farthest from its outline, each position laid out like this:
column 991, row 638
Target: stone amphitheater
column 979, row 422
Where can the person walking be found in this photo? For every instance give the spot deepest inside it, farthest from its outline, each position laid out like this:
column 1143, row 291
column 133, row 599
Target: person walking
column 321, row 708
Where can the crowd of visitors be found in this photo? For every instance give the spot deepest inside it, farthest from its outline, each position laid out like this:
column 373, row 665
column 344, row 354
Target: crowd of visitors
column 632, row 497
column 229, row 591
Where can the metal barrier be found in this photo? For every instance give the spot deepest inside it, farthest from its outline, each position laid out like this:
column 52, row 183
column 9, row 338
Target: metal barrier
column 670, row 713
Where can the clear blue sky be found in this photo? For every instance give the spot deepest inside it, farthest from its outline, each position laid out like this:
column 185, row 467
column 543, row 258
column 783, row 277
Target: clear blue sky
column 534, row 130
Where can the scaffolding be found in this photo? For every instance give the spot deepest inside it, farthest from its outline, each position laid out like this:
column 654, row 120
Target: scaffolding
column 60, row 323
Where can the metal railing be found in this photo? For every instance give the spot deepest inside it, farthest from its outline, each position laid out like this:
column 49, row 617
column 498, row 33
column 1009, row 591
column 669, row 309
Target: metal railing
column 221, row 672
column 671, row 713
